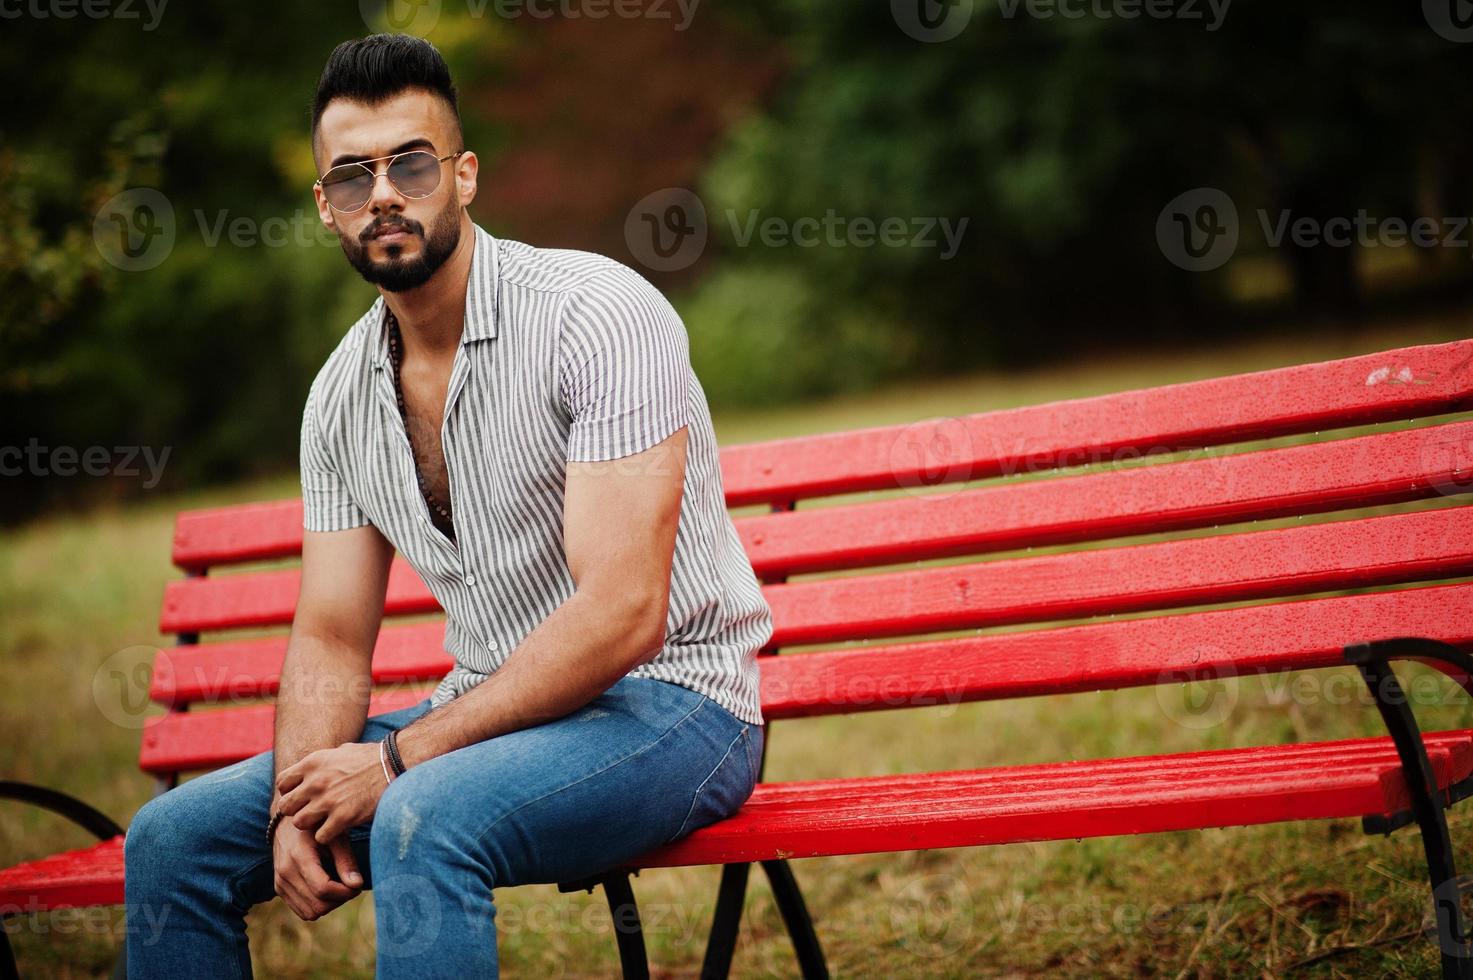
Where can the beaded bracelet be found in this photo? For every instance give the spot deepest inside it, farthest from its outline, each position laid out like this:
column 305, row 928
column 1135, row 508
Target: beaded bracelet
column 271, row 826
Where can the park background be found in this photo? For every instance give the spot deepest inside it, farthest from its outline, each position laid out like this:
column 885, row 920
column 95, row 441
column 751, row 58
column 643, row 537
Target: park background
column 1117, row 187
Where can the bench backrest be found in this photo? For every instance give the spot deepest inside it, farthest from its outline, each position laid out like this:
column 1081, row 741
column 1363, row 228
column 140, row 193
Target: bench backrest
column 830, row 561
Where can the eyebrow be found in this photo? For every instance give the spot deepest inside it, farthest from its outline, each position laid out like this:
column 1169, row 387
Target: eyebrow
column 415, row 144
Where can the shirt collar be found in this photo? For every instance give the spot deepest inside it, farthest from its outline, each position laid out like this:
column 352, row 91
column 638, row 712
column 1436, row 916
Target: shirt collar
column 480, row 299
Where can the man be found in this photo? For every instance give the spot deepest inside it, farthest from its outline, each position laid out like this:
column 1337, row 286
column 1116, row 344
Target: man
column 523, row 425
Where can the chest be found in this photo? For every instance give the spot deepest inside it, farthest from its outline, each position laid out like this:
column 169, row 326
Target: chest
column 425, row 389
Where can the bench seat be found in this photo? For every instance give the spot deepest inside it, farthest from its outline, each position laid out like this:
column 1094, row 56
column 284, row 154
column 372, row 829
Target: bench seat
column 872, row 814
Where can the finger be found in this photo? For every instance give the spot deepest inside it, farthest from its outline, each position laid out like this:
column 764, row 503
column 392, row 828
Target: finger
column 289, row 778
column 294, row 892
column 344, row 861
column 331, row 827
column 321, row 887
column 308, row 817
column 289, row 803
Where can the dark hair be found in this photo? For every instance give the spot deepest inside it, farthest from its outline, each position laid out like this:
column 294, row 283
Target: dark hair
column 376, row 68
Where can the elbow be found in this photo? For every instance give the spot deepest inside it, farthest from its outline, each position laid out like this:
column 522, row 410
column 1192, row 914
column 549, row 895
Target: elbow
column 647, row 619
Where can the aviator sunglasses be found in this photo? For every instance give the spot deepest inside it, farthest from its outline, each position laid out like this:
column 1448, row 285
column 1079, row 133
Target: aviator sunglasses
column 414, row 173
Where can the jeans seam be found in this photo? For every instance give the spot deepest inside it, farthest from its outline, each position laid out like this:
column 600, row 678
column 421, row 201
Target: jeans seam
column 480, row 835
column 702, row 788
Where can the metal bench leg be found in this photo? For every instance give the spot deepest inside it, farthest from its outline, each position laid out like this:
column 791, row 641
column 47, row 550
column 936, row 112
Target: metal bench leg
column 721, row 945
column 795, row 915
column 625, row 912
column 1428, row 802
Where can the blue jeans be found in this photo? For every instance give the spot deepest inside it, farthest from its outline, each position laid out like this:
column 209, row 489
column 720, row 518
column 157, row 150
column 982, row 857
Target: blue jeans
column 643, row 764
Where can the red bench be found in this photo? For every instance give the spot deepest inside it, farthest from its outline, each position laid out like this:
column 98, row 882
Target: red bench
column 1387, row 781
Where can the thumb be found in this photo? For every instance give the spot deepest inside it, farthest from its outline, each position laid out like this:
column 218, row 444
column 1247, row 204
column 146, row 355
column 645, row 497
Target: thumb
column 342, row 856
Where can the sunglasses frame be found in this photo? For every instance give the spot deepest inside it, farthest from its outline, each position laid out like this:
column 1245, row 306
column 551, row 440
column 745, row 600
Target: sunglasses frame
column 365, row 165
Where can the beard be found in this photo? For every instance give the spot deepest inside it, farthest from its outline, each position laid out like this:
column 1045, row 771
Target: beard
column 396, row 273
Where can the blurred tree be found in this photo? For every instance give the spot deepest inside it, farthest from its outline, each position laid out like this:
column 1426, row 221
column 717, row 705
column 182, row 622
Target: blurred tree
column 1061, row 138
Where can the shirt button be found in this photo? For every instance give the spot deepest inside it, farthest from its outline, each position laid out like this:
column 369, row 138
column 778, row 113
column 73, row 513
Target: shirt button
column 470, row 580
column 491, row 645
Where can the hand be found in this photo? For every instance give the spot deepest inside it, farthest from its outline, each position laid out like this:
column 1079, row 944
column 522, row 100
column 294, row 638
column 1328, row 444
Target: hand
column 302, row 881
column 330, row 790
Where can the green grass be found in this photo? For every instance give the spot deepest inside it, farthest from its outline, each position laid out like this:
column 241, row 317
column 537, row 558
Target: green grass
column 79, row 599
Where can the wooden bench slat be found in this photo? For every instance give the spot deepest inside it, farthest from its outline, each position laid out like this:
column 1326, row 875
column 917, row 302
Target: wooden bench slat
column 857, row 816
column 870, row 814
column 1304, row 398
column 1366, row 471
column 186, row 741
column 1101, row 656
column 1372, row 551
column 1216, row 568
column 248, row 669
column 1190, row 415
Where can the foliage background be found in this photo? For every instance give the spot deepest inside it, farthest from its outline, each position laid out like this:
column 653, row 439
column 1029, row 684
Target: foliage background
column 1059, row 140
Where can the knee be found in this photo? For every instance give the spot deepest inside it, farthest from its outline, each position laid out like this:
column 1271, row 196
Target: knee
column 152, row 840
column 413, row 830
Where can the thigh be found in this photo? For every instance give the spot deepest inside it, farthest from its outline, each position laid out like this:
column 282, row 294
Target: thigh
column 577, row 795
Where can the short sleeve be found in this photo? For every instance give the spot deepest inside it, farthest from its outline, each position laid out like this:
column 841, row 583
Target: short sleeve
column 623, row 367
column 326, row 503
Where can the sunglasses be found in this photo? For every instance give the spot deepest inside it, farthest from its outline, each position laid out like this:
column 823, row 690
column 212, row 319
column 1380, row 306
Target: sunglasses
column 415, row 174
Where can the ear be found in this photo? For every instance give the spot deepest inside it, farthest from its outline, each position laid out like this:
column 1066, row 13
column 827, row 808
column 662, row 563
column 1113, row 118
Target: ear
column 324, row 212
column 467, row 168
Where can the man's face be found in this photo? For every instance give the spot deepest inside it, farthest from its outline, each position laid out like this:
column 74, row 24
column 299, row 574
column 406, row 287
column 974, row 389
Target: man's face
column 394, row 241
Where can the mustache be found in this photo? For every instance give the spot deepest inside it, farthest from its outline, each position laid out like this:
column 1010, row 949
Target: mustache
column 400, row 223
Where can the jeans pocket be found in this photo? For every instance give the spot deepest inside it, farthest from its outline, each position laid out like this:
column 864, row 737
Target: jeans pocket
column 725, row 790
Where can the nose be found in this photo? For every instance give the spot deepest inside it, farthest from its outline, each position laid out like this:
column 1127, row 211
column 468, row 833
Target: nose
column 385, row 195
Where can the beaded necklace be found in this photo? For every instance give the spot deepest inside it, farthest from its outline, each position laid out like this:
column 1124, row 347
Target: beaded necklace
column 395, row 342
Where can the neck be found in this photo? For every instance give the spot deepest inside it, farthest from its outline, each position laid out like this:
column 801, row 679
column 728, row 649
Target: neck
column 432, row 317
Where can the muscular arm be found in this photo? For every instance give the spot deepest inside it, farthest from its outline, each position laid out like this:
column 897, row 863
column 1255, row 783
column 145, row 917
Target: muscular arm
column 619, row 527
column 326, row 678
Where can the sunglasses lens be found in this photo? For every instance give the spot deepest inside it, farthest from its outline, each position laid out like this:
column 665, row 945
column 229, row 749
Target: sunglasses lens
column 348, row 187
column 416, row 174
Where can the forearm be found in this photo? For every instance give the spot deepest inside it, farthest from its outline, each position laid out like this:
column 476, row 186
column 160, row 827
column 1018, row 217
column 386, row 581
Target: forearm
column 571, row 658
column 322, row 702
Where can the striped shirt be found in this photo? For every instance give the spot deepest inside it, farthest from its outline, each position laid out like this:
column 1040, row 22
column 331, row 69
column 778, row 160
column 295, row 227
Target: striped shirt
column 564, row 356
